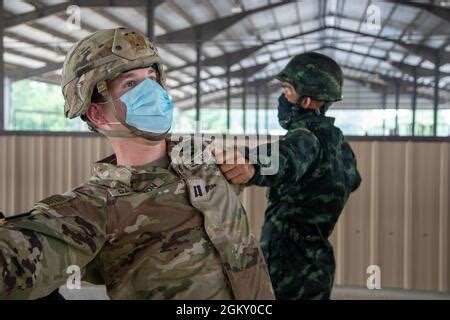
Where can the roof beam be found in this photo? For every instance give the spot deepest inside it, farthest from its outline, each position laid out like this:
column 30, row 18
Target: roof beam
column 53, row 9
column 34, row 43
column 404, row 32
column 377, row 57
column 231, row 58
column 423, row 51
column 17, row 19
column 234, row 56
column 421, row 72
column 28, row 73
column 420, row 50
column 383, row 77
column 29, row 56
column 227, row 59
column 207, row 30
column 363, row 80
column 231, row 55
column 247, row 72
column 218, row 58
column 405, row 68
column 439, row 11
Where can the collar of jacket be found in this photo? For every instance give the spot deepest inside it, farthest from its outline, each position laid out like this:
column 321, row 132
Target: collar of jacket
column 301, row 118
column 107, row 172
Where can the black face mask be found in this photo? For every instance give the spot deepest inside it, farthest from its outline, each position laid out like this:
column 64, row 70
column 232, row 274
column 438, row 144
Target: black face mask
column 325, row 107
column 284, row 112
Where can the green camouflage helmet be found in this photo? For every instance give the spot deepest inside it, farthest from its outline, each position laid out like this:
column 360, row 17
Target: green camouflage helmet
column 100, row 57
column 314, row 75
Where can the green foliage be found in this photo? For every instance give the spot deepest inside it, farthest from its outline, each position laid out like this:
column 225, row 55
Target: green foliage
column 38, row 106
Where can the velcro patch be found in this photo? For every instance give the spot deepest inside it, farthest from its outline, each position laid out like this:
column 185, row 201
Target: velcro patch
column 120, row 192
column 55, row 200
column 155, row 184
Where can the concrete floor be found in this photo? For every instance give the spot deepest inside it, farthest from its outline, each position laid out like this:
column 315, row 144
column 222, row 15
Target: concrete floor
column 361, row 293
column 89, row 292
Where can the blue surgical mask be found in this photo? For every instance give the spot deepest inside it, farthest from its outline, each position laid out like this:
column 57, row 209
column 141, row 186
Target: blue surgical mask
column 149, row 107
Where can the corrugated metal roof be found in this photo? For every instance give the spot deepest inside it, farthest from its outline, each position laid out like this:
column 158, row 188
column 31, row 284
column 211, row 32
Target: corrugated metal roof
column 337, row 27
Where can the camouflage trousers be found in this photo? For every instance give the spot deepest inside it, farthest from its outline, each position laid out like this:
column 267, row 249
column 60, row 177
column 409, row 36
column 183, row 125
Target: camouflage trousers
column 299, row 270
column 299, row 282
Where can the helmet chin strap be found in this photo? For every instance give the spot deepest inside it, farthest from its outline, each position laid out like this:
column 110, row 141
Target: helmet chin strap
column 133, row 131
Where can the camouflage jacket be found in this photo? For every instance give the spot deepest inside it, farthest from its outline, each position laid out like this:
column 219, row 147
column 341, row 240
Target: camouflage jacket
column 317, row 172
column 138, row 230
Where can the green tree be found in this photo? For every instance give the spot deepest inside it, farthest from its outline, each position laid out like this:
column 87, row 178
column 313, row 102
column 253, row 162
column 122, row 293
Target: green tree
column 38, row 106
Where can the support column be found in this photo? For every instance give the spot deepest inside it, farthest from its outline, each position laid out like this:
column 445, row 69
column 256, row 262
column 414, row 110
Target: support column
column 150, row 19
column 384, row 99
column 2, row 71
column 244, row 104
column 266, row 107
column 436, row 93
column 414, row 103
column 257, row 108
column 198, row 67
column 228, row 99
column 397, row 102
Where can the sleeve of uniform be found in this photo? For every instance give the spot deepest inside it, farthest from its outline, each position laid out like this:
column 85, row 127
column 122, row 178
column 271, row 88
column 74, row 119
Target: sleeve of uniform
column 290, row 157
column 37, row 248
column 353, row 178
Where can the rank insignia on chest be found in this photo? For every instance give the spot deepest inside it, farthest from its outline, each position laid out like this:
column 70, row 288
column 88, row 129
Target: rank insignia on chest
column 198, row 190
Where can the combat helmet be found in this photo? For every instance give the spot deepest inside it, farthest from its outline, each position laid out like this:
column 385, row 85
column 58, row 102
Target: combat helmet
column 314, row 75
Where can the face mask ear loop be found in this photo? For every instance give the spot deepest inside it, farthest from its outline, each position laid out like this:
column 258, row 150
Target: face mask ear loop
column 103, row 90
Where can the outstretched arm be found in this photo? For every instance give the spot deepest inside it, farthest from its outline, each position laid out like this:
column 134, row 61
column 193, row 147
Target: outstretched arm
column 290, row 158
column 293, row 153
column 37, row 248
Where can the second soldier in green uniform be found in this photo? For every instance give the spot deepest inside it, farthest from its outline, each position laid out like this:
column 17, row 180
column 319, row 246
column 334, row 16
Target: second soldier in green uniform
column 317, row 172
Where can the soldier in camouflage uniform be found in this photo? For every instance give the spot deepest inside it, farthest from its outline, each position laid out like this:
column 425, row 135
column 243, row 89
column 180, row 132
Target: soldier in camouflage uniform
column 317, row 172
column 166, row 229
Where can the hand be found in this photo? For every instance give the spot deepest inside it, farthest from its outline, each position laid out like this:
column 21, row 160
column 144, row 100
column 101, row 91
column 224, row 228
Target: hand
column 235, row 168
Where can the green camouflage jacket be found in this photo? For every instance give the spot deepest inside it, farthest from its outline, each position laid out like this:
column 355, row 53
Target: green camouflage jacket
column 159, row 231
column 317, row 172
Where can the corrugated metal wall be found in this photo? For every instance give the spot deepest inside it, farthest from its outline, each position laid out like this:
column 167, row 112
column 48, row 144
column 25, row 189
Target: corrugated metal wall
column 398, row 219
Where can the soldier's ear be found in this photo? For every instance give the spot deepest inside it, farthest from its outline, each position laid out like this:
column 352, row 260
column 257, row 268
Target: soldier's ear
column 95, row 114
column 305, row 102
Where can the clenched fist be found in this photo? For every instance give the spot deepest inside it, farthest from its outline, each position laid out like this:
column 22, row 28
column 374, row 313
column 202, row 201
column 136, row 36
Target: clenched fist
column 235, row 168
